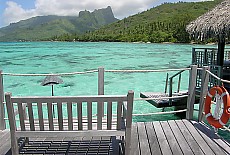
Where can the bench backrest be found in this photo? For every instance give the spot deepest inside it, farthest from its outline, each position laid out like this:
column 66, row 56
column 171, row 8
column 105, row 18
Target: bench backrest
column 40, row 112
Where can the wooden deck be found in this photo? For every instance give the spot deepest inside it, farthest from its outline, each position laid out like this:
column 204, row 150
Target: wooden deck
column 160, row 103
column 173, row 137
column 4, row 141
column 176, row 137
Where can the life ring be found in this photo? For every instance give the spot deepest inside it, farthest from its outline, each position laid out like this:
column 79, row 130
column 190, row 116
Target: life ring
column 218, row 123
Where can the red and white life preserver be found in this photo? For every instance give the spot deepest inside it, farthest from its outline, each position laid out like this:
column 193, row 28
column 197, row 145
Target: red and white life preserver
column 218, row 123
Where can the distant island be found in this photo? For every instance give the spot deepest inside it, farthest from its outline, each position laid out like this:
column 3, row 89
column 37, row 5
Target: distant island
column 46, row 27
column 164, row 23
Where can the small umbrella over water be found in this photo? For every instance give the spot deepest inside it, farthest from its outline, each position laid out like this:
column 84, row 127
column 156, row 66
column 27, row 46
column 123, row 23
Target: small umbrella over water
column 51, row 80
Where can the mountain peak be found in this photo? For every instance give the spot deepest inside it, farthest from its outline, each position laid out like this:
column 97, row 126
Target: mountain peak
column 44, row 27
column 98, row 14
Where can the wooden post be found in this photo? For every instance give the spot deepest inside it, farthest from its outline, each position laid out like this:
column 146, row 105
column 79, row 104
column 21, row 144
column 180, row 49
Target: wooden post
column 166, row 83
column 2, row 112
column 170, row 90
column 101, row 71
column 220, row 54
column 203, row 92
column 100, row 107
column 178, row 86
column 191, row 92
column 193, row 55
column 12, row 123
column 129, row 122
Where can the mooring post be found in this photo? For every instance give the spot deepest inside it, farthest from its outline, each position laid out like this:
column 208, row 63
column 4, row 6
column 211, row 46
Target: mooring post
column 2, row 112
column 191, row 92
column 203, row 91
column 101, row 72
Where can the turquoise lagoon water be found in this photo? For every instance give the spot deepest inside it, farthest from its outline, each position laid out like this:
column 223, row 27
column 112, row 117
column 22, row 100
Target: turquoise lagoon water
column 66, row 57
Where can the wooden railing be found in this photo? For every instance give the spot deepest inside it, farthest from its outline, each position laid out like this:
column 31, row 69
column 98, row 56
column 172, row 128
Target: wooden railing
column 101, row 72
column 171, row 84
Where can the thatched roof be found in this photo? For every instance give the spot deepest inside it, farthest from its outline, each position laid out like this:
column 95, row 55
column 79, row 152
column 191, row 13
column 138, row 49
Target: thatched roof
column 212, row 23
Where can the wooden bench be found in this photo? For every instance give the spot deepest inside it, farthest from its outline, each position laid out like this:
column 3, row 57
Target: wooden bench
column 41, row 123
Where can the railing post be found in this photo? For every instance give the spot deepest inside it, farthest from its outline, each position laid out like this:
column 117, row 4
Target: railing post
column 101, row 72
column 178, row 86
column 2, row 112
column 170, row 90
column 193, row 55
column 191, row 92
column 166, row 82
column 128, row 129
column 203, row 92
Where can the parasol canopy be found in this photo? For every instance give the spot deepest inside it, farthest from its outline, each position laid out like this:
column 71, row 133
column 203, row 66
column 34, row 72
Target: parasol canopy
column 51, row 80
column 215, row 23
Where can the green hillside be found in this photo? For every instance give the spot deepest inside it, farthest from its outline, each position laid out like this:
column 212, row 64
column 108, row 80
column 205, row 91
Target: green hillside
column 46, row 27
column 164, row 23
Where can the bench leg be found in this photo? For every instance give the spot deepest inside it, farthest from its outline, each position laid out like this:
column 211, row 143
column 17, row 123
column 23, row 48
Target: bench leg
column 26, row 140
column 14, row 146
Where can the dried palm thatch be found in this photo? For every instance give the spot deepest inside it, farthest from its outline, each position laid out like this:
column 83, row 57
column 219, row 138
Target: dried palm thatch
column 212, row 24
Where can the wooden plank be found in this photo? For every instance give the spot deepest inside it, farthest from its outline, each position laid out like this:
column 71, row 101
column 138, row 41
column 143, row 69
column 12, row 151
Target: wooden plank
column 70, row 115
column 86, row 133
column 5, row 141
column 135, row 148
column 191, row 92
column 152, row 138
column 50, row 116
column 66, row 99
column 180, row 138
column 119, row 113
column 60, row 116
column 164, row 145
column 40, row 116
column 207, row 134
column 79, row 115
column 109, row 115
column 171, row 138
column 203, row 92
column 31, row 115
column 224, row 145
column 201, row 142
column 21, row 116
column 99, row 115
column 143, row 139
column 189, row 138
column 89, row 115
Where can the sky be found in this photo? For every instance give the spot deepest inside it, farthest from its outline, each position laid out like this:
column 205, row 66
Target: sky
column 12, row 11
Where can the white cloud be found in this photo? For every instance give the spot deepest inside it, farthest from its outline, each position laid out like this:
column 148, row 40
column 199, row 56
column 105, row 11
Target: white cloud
column 15, row 12
column 121, row 8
